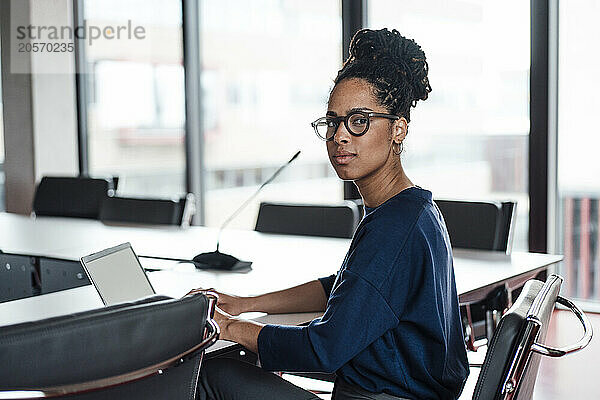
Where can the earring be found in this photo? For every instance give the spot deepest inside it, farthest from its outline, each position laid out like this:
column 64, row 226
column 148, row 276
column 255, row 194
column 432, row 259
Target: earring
column 400, row 148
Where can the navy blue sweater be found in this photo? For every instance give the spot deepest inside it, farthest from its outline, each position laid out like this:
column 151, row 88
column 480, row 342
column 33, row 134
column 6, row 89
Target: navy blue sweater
column 392, row 322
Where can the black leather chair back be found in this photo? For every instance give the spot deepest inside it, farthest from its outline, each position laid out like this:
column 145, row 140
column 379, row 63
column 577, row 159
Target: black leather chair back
column 143, row 210
column 314, row 220
column 70, row 196
column 106, row 342
column 512, row 340
column 479, row 224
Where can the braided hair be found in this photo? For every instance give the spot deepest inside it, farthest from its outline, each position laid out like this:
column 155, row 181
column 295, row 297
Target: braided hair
column 394, row 65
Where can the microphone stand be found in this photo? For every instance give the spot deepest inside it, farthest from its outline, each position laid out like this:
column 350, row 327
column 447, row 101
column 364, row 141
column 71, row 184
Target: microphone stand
column 218, row 260
column 222, row 261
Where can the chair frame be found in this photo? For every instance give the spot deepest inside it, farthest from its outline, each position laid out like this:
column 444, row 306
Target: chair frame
column 527, row 343
column 211, row 336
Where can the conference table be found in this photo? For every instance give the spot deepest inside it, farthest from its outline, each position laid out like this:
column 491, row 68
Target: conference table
column 279, row 261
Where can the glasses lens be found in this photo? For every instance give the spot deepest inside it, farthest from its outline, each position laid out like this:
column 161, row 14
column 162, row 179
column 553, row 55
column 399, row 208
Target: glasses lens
column 323, row 128
column 358, row 123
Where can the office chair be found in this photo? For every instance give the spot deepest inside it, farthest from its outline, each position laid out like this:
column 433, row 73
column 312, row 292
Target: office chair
column 514, row 353
column 132, row 210
column 148, row 349
column 70, row 196
column 482, row 225
column 313, row 220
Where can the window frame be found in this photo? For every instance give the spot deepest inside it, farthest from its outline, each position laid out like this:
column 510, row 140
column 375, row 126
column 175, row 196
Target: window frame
column 82, row 93
column 539, row 82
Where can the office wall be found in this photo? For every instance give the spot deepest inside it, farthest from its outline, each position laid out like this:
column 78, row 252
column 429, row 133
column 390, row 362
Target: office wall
column 40, row 121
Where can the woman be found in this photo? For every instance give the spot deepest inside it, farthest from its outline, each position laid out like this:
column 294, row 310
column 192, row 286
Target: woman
column 391, row 325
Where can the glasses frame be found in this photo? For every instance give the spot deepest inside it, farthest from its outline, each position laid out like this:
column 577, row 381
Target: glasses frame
column 337, row 120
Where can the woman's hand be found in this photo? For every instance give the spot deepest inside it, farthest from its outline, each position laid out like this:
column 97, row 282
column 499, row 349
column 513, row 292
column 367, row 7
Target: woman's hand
column 223, row 319
column 230, row 304
column 233, row 328
column 238, row 330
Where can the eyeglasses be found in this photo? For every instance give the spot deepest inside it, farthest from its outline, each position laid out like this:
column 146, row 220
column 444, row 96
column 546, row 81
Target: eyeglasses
column 356, row 122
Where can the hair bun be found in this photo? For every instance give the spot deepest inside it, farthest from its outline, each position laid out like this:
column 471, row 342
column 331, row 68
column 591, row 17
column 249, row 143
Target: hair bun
column 393, row 49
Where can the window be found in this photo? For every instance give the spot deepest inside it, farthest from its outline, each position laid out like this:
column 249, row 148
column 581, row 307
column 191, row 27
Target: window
column 578, row 141
column 267, row 70
column 469, row 140
column 135, row 95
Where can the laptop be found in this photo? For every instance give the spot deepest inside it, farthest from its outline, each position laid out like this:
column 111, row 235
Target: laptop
column 117, row 274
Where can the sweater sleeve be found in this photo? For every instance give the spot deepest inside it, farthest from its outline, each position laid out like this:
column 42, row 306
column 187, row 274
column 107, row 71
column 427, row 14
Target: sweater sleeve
column 327, row 283
column 329, row 342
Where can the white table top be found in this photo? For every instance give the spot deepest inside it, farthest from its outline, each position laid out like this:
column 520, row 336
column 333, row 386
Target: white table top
column 279, row 261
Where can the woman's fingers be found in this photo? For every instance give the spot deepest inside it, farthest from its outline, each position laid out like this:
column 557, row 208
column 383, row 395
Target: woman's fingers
column 200, row 290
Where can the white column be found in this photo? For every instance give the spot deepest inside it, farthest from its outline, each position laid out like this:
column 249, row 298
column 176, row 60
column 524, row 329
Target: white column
column 40, row 118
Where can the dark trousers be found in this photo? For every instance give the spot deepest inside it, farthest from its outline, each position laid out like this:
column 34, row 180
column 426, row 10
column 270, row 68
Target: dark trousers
column 227, row 379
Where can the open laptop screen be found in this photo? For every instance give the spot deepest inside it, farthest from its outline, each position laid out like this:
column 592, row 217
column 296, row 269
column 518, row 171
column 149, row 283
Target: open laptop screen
column 117, row 274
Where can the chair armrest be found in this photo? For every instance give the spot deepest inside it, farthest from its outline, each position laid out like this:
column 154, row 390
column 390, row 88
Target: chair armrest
column 588, row 332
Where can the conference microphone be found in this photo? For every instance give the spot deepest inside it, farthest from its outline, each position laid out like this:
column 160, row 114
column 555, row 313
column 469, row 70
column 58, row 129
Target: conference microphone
column 222, row 261
column 218, row 260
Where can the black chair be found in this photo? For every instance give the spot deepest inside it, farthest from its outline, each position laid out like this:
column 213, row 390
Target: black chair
column 512, row 360
column 149, row 349
column 482, row 225
column 130, row 210
column 71, row 196
column 313, row 220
